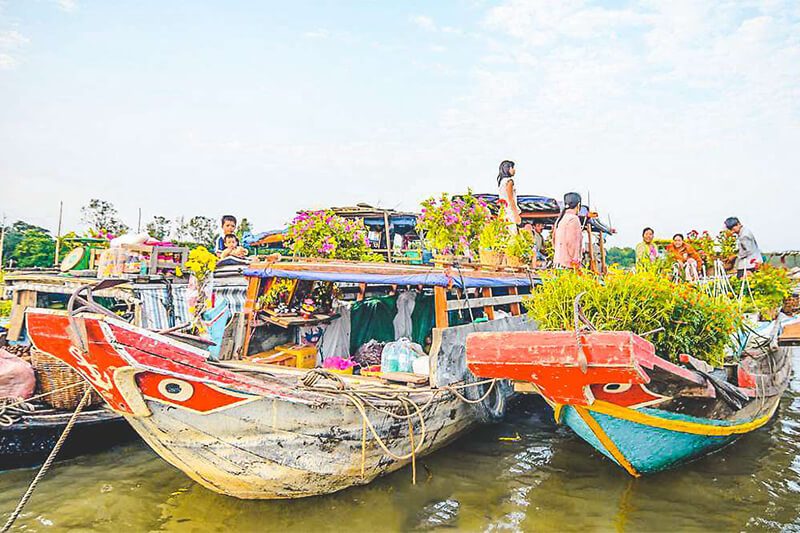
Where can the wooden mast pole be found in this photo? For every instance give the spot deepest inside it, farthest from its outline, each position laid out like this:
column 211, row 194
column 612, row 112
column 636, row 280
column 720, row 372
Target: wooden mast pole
column 388, row 236
column 58, row 232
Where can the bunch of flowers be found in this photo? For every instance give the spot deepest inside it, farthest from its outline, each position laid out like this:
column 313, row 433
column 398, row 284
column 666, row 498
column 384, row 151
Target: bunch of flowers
column 201, row 263
column 452, row 225
column 325, row 234
column 769, row 287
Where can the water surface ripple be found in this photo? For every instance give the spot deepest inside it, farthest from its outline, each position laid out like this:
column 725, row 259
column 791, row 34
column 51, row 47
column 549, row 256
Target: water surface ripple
column 546, row 480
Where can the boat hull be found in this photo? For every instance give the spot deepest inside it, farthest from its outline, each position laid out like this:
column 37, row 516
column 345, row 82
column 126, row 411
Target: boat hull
column 644, row 413
column 28, row 441
column 257, row 433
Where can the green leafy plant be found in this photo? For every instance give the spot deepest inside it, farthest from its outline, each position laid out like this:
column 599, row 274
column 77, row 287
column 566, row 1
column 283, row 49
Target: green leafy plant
column 769, row 287
column 325, row 234
column 694, row 322
column 521, row 245
column 494, row 235
column 453, row 225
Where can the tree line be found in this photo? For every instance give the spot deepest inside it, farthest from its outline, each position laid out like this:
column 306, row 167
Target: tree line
column 26, row 245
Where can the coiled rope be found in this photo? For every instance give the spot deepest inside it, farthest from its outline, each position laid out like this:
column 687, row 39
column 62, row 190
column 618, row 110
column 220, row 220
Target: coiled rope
column 50, row 458
column 323, row 381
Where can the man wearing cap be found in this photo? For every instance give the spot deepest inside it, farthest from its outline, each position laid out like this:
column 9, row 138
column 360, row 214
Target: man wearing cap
column 748, row 256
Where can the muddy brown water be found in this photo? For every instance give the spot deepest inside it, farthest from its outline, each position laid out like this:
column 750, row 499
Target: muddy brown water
column 545, row 480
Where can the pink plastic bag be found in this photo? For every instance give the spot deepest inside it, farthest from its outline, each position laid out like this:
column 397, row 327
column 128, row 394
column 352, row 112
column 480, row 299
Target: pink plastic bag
column 17, row 379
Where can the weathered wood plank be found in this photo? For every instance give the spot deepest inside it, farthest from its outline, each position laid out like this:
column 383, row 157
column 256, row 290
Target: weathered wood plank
column 454, row 305
column 449, row 361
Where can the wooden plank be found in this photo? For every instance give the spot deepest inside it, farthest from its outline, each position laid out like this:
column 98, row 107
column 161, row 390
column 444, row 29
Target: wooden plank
column 488, row 310
column 440, row 306
column 515, row 308
column 454, row 305
column 405, row 377
column 22, row 300
column 790, row 336
column 448, row 352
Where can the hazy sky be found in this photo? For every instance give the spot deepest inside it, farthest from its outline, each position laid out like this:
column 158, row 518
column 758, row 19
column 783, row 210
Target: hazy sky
column 673, row 114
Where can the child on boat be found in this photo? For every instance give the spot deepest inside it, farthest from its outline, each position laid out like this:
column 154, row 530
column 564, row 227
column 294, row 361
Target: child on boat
column 232, row 247
column 229, row 228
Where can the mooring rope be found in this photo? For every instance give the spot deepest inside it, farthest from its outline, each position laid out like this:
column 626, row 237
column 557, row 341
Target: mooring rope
column 47, row 462
column 363, row 397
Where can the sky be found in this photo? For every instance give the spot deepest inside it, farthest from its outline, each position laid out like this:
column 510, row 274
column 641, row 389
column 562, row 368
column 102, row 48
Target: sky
column 673, row 114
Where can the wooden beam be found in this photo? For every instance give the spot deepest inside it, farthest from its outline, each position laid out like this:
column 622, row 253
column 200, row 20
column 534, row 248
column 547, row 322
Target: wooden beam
column 511, row 299
column 488, row 310
column 440, row 306
column 602, row 243
column 592, row 261
column 515, row 309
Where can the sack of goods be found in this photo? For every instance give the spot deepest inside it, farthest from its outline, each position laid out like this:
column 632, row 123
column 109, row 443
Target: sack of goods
column 399, row 356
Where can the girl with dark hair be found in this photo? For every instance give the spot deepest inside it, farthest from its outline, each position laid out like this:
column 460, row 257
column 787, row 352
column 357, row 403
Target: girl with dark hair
column 508, row 194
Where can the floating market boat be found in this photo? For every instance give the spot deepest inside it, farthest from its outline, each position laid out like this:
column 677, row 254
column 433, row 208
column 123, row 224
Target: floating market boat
column 643, row 412
column 29, row 430
column 251, row 429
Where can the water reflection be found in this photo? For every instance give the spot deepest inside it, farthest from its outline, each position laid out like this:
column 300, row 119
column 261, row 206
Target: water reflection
column 547, row 479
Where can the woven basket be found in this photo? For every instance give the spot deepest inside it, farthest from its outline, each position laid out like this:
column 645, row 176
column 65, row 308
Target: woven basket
column 52, row 375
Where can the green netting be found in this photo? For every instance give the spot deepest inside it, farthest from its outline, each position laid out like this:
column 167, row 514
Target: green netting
column 423, row 318
column 372, row 319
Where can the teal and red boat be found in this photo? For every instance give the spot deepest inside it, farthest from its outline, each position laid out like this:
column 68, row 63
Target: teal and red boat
column 643, row 412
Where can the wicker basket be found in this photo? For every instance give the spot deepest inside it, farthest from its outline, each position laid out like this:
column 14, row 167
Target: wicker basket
column 51, row 375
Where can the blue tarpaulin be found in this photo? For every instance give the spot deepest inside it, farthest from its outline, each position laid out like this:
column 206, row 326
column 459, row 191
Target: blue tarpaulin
column 429, row 279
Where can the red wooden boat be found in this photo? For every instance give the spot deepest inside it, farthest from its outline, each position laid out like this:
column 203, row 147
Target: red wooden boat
column 643, row 412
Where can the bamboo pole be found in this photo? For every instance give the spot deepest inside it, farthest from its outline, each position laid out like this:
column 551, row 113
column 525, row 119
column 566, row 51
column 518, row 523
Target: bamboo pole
column 388, row 236
column 58, row 232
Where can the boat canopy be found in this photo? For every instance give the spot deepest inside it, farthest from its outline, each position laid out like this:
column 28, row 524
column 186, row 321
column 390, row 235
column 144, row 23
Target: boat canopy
column 391, row 274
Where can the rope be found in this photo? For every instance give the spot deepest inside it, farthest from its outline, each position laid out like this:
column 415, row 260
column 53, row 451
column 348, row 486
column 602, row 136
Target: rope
column 323, row 381
column 32, row 398
column 10, row 414
column 47, row 463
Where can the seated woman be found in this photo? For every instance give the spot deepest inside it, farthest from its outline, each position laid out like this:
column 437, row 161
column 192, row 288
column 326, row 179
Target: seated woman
column 232, row 247
column 685, row 256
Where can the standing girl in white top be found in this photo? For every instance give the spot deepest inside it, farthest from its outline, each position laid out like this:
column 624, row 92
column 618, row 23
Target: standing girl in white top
column 508, row 194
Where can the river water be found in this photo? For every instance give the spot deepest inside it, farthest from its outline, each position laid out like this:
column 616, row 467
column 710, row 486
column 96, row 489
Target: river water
column 526, row 474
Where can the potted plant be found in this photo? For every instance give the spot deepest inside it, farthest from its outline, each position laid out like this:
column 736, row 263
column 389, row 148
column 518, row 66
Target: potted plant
column 520, row 250
column 492, row 241
column 452, row 225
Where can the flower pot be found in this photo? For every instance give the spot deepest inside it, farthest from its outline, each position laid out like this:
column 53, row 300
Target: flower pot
column 513, row 261
column 491, row 257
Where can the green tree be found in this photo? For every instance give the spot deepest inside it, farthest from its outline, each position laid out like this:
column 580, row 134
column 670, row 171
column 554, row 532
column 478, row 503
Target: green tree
column 244, row 227
column 624, row 257
column 102, row 216
column 199, row 229
column 159, row 228
column 13, row 236
column 36, row 249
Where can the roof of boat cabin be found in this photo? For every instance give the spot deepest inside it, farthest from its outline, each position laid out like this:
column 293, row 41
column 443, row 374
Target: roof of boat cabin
column 461, row 276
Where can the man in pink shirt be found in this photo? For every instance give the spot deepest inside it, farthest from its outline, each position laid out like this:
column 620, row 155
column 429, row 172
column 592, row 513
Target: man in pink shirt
column 568, row 234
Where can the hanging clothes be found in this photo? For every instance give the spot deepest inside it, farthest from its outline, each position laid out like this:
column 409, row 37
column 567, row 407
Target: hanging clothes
column 402, row 321
column 336, row 339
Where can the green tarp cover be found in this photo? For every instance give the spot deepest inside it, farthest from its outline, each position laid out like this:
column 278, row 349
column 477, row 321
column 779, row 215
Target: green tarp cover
column 372, row 319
